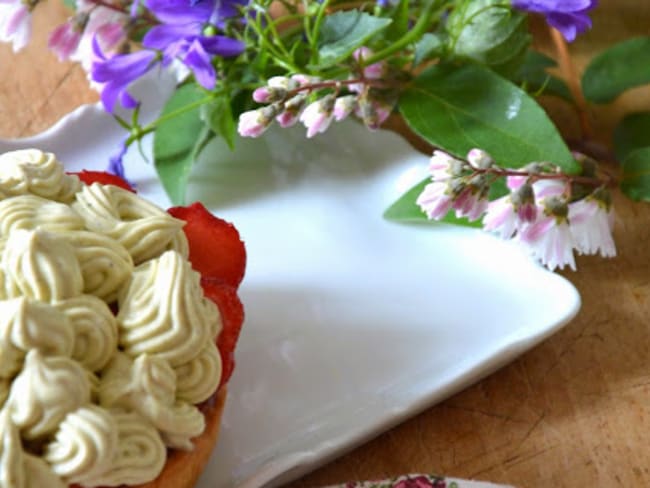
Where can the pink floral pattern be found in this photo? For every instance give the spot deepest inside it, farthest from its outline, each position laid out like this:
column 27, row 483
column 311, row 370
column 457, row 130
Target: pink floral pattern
column 419, row 481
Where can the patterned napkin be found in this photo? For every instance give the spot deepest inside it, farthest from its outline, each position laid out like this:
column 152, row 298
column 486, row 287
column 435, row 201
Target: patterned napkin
column 420, row 481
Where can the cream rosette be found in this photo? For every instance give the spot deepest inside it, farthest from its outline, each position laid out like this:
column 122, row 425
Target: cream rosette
column 45, row 391
column 26, row 325
column 94, row 327
column 163, row 311
column 197, row 380
column 31, row 212
column 141, row 227
column 36, row 172
column 42, row 265
column 84, row 446
column 148, row 386
column 105, row 263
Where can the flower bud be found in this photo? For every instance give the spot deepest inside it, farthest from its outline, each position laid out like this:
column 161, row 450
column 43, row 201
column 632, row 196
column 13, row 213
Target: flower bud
column 523, row 201
column 343, row 106
column 318, row 115
column 479, row 159
column 557, row 207
column 255, row 122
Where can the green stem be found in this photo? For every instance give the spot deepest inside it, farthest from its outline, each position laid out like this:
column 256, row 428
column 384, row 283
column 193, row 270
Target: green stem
column 413, row 35
column 139, row 132
column 316, row 32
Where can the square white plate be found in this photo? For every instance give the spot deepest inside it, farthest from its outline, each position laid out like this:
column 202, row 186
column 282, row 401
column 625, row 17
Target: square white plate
column 353, row 323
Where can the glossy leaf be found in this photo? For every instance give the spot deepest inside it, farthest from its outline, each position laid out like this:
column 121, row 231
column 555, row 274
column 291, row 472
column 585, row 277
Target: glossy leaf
column 533, row 76
column 632, row 134
column 487, row 32
column 617, row 69
column 406, row 210
column 218, row 116
column 400, row 24
column 344, row 31
column 635, row 181
column 175, row 142
column 460, row 108
column 428, row 46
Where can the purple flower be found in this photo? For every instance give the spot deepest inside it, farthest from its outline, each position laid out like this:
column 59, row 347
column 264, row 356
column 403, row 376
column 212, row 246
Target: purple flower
column 118, row 72
column 181, row 34
column 115, row 164
column 570, row 17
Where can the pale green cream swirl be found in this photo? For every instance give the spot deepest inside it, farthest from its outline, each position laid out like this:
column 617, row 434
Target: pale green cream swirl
column 95, row 330
column 39, row 474
column 144, row 229
column 163, row 311
column 31, row 212
column 27, row 324
column 45, row 391
column 197, row 380
column 141, row 453
column 12, row 470
column 36, row 172
column 42, row 265
column 85, row 445
column 105, row 263
column 148, row 386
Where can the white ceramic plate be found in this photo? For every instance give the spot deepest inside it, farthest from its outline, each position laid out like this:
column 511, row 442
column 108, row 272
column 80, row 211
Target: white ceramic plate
column 353, row 323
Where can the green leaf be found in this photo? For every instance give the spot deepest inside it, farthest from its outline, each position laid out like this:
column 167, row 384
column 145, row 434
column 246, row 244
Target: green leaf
column 218, row 116
column 632, row 134
column 619, row 68
column 400, row 25
column 344, row 31
column 406, row 210
column 488, row 32
column 428, row 46
column 635, row 181
column 458, row 109
column 71, row 4
column 175, row 142
column 532, row 73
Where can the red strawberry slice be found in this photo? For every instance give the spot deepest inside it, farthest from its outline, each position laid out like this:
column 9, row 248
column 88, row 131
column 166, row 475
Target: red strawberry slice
column 90, row 177
column 232, row 317
column 216, row 251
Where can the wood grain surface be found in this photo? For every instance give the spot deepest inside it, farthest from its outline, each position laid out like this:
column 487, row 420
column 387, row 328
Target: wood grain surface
column 573, row 412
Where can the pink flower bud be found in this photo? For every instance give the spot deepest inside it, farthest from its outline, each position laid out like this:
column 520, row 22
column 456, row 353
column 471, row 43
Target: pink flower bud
column 287, row 119
column 253, row 123
column 343, row 106
column 64, row 39
column 374, row 71
column 318, row 115
column 261, row 94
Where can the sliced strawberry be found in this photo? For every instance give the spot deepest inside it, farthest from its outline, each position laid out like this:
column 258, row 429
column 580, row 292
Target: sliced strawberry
column 216, row 251
column 90, row 177
column 232, row 317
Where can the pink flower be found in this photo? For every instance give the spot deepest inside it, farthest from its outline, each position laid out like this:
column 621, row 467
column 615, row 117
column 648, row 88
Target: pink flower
column 420, row 482
column 318, row 115
column 501, row 218
column 64, row 40
column 470, row 203
column 287, row 119
column 106, row 24
column 373, row 112
column 591, row 227
column 435, row 200
column 253, row 123
column 15, row 23
column 442, row 166
column 373, row 71
column 550, row 240
column 549, row 187
column 343, row 106
column 479, row 158
column 261, row 94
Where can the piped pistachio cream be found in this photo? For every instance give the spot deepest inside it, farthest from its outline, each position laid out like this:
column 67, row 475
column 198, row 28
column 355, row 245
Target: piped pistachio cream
column 89, row 396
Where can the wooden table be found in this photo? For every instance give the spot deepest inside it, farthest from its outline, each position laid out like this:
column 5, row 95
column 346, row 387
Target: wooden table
column 574, row 411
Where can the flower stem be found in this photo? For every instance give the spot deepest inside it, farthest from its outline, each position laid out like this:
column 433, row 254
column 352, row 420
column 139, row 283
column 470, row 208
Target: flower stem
column 571, row 77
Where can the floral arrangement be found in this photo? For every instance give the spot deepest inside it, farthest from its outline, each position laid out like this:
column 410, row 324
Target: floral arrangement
column 461, row 73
